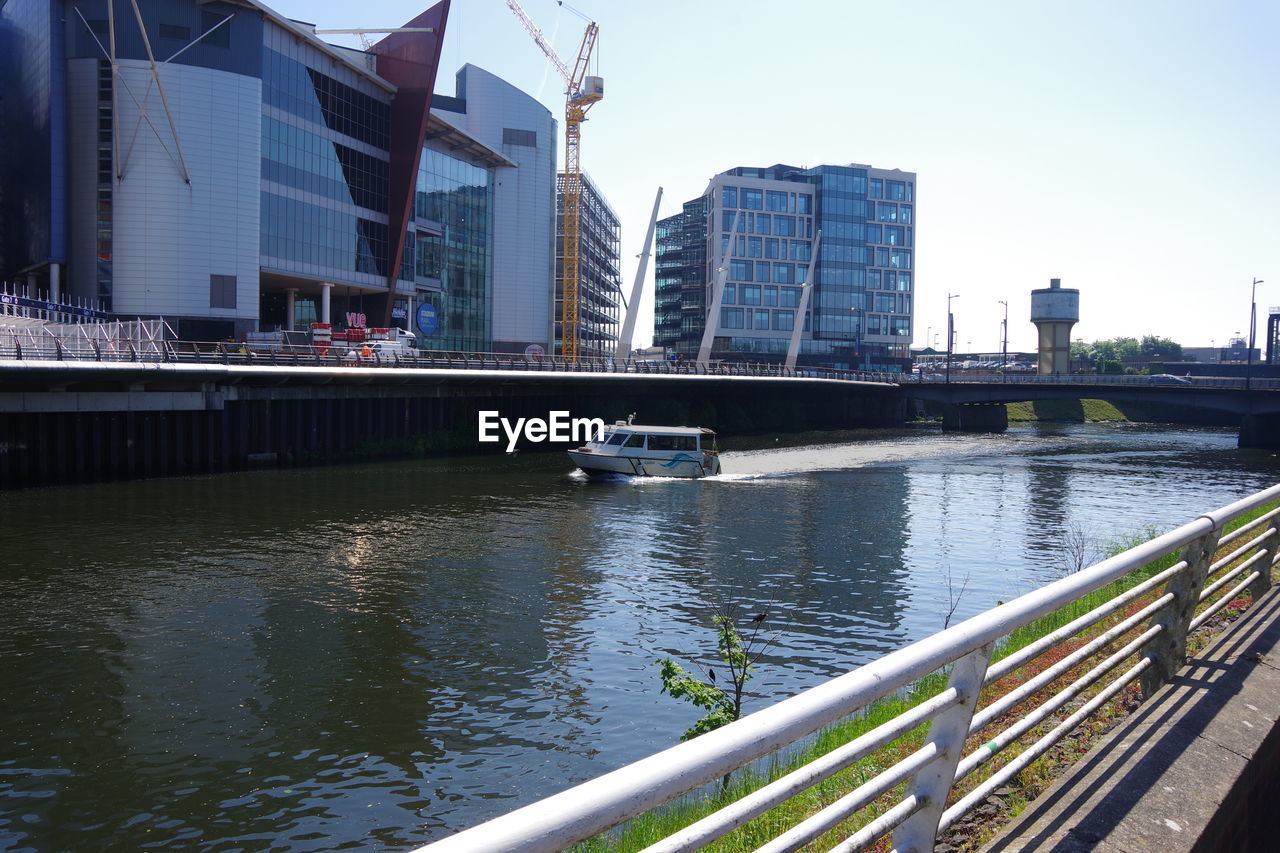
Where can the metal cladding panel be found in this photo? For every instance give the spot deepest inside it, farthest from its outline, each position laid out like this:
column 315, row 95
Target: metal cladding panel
column 409, row 62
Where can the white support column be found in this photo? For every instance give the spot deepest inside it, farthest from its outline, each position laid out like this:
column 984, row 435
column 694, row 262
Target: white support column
column 290, row 299
column 717, row 293
column 797, row 325
column 326, row 289
column 623, row 351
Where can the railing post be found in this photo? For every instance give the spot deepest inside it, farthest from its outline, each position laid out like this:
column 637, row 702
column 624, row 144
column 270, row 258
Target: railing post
column 1168, row 649
column 948, row 731
column 1259, row 587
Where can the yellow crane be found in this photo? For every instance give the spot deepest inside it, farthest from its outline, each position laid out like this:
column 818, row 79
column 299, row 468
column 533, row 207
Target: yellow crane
column 582, row 92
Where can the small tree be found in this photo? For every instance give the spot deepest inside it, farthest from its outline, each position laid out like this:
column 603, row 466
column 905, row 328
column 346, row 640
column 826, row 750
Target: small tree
column 738, row 654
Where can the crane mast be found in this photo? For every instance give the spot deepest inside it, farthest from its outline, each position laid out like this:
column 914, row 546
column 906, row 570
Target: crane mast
column 581, row 93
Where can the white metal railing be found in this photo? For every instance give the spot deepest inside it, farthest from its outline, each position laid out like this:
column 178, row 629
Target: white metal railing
column 1159, row 380
column 1137, row 635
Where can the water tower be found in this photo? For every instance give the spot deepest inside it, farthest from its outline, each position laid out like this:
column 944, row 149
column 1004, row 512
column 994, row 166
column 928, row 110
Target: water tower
column 1055, row 310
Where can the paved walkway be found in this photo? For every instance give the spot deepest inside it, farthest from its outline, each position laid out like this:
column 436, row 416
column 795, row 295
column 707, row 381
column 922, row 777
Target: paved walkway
column 1196, row 768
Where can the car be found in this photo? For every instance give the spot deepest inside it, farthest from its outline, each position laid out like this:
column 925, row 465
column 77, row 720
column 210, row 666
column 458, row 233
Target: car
column 1167, row 379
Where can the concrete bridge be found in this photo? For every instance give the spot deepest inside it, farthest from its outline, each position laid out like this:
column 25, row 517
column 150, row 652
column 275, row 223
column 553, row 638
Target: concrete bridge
column 976, row 403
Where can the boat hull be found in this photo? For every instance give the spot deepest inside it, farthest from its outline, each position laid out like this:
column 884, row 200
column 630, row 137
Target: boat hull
column 682, row 466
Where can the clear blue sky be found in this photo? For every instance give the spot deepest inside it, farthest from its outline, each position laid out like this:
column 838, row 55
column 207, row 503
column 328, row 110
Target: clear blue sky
column 1128, row 148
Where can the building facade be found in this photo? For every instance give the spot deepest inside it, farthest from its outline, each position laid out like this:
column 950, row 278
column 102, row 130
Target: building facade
column 599, row 276
column 255, row 177
column 761, row 225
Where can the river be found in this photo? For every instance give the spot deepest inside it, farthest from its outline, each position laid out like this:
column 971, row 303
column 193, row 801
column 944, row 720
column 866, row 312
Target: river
column 370, row 657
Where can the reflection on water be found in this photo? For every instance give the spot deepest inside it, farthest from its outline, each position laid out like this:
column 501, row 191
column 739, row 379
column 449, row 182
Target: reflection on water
column 373, row 656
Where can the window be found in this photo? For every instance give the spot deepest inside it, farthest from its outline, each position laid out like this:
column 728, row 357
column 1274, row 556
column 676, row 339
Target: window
column 673, row 442
column 729, row 197
column 770, row 296
column 904, row 280
column 784, row 273
column 900, row 259
column 222, row 291
column 800, row 250
column 789, row 297
column 784, row 321
column 727, row 219
column 775, row 201
column 890, row 280
column 750, row 294
column 755, row 248
column 762, row 319
column 894, row 235
column 763, row 223
column 897, row 190
column 873, row 234
column 635, row 440
column 171, row 31
column 731, row 318
column 752, row 199
column 873, row 279
column 771, row 248
column 762, row 271
column 222, row 36
column 784, row 226
column 729, row 296
column 618, row 438
column 806, row 205
column 740, row 270
column 523, row 138
column 877, row 188
column 886, row 212
column 904, row 214
column 882, row 257
column 885, row 302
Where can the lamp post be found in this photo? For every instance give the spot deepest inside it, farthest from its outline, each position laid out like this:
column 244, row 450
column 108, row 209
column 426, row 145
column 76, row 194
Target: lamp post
column 1253, row 325
column 1004, row 342
column 951, row 332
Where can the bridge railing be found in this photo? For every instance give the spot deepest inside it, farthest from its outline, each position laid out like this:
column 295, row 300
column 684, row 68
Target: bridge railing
column 35, row 346
column 1004, row 705
column 1159, row 380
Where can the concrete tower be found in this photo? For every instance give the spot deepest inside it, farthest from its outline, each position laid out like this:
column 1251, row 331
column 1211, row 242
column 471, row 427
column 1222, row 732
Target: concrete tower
column 1055, row 310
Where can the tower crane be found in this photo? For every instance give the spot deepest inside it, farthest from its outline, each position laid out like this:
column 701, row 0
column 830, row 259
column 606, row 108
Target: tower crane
column 581, row 93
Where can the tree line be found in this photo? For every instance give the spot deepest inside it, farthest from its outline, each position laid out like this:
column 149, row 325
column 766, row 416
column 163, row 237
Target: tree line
column 1111, row 356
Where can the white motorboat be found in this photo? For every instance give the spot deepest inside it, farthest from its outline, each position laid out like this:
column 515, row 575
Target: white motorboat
column 650, row 451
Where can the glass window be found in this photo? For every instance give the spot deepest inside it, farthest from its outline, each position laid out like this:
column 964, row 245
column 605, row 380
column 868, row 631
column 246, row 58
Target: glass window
column 636, row 439
column 762, row 270
column 729, row 197
column 775, row 201
column 900, row 259
column 911, row 191
column 750, row 294
column 904, row 214
column 731, row 318
column 784, row 273
column 784, row 321
column 904, row 280
column 789, row 297
column 800, row 250
column 740, row 270
column 909, row 238
column 873, row 234
column 771, row 248
column 729, row 296
column 897, row 190
column 886, row 212
column 784, row 226
column 877, row 188
column 882, row 257
column 806, row 205
column 763, row 223
column 890, row 280
column 752, row 199
column 873, row 279
column 755, row 247
column 618, row 438
column 885, row 302
column 770, row 296
column 762, row 318
column 894, row 235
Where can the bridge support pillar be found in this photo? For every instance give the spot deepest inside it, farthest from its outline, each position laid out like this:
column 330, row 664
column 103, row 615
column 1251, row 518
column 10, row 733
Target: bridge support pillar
column 975, row 417
column 1260, row 431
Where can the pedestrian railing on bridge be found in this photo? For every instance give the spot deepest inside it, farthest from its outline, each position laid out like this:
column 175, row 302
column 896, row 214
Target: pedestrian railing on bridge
column 1004, row 704
column 29, row 345
column 1128, row 380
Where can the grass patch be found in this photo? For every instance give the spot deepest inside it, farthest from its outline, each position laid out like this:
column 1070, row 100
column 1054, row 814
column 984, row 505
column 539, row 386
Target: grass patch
column 980, row 824
column 1071, row 411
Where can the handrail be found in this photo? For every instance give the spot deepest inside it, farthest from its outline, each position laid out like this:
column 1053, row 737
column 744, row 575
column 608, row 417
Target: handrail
column 1155, row 633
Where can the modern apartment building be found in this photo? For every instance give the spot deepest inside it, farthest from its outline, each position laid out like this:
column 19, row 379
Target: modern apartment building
column 254, row 176
column 761, row 224
column 599, row 277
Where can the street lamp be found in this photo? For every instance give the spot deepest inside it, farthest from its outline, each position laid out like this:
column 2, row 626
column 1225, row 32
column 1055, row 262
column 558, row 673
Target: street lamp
column 951, row 331
column 1004, row 345
column 1253, row 326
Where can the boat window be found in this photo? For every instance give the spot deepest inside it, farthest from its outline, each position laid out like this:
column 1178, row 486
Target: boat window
column 617, row 438
column 635, row 440
column 673, row 442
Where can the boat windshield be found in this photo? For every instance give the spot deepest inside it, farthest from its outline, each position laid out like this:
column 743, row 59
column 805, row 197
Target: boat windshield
column 617, row 438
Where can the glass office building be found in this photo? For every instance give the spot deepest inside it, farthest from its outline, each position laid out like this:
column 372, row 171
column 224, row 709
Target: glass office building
column 761, row 226
column 599, row 277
